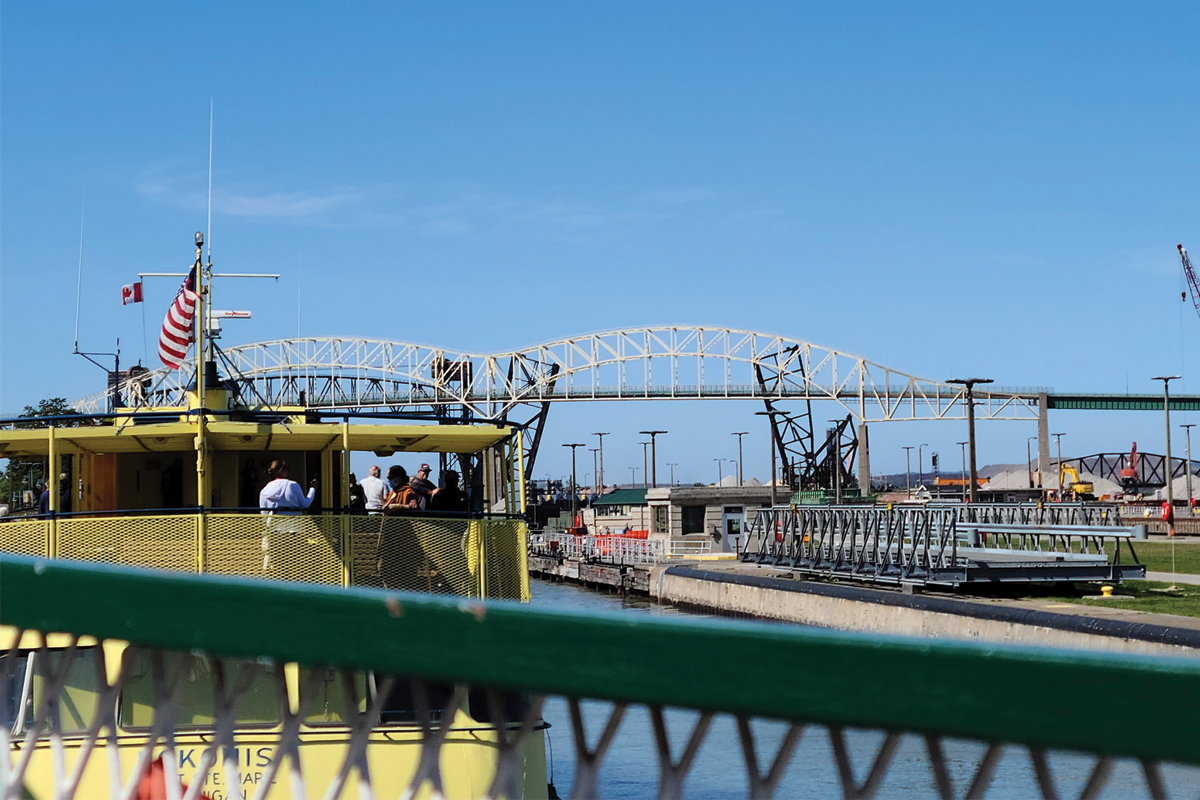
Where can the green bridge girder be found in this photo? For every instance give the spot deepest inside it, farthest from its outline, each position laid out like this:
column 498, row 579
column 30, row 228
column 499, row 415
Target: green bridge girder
column 1121, row 402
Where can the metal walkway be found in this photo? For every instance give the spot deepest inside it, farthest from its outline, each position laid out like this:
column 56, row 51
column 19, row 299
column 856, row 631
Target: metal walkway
column 946, row 545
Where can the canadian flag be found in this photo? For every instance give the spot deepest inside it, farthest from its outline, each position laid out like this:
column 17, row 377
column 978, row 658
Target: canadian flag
column 131, row 293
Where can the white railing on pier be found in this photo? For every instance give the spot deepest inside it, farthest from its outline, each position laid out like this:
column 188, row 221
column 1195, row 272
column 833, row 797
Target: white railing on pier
column 616, row 549
column 684, row 548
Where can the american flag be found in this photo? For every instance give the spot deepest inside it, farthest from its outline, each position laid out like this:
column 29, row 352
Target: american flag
column 176, row 336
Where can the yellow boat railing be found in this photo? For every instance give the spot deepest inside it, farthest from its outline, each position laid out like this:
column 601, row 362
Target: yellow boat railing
column 460, row 556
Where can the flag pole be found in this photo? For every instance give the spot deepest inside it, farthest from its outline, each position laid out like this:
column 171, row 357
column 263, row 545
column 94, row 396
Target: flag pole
column 201, row 290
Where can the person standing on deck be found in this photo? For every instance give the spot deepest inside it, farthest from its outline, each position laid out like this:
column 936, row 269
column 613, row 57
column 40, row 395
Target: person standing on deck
column 402, row 497
column 450, row 497
column 358, row 500
column 282, row 494
column 374, row 489
column 422, row 487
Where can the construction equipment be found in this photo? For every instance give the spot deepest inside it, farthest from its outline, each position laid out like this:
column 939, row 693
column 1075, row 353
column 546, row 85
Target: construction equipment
column 1190, row 273
column 1129, row 473
column 1073, row 487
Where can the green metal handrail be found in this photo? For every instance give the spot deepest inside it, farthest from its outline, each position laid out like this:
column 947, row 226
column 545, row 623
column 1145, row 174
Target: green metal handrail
column 1052, row 699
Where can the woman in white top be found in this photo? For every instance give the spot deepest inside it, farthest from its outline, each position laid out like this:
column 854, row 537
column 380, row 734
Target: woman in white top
column 280, row 493
column 281, row 496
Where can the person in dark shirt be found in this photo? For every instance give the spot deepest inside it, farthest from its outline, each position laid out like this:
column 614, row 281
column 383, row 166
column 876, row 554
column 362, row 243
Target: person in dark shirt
column 358, row 498
column 449, row 497
column 422, row 487
column 64, row 495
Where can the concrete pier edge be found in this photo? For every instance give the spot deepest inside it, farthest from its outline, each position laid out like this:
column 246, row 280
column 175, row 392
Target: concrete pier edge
column 848, row 608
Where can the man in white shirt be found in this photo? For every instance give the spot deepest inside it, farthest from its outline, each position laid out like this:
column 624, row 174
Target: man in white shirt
column 374, row 489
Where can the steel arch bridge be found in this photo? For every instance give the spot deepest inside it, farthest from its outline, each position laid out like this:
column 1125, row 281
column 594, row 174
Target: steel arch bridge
column 654, row 363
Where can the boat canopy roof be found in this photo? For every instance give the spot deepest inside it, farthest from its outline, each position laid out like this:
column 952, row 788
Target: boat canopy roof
column 169, row 437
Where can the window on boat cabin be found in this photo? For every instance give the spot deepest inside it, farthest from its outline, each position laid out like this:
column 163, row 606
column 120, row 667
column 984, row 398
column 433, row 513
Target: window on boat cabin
column 196, row 703
column 323, row 695
column 401, row 703
column 24, row 690
column 693, row 519
column 328, row 705
column 14, row 696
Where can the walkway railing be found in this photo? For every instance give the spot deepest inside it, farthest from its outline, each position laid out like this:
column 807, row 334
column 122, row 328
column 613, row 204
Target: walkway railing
column 941, row 545
column 451, row 555
column 613, row 549
column 951, row 719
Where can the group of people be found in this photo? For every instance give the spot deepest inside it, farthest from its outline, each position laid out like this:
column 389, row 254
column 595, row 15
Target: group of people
column 400, row 493
column 374, row 495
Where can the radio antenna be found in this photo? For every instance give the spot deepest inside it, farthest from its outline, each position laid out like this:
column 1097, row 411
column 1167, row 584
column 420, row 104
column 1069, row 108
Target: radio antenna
column 210, row 148
column 79, row 276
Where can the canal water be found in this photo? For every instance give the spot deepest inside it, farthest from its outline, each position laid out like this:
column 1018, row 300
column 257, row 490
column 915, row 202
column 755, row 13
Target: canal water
column 630, row 770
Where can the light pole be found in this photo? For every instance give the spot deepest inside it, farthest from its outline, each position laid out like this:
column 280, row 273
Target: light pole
column 771, row 415
column 1058, row 443
column 921, row 464
column 645, row 464
column 1187, row 429
column 1029, row 459
column 741, row 469
column 595, row 469
column 969, row 385
column 908, row 470
column 672, row 465
column 1166, row 379
column 720, row 476
column 632, row 477
column 837, row 465
column 653, row 455
column 600, row 474
column 574, row 490
column 963, row 445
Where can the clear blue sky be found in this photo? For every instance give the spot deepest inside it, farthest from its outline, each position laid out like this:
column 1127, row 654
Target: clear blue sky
column 943, row 188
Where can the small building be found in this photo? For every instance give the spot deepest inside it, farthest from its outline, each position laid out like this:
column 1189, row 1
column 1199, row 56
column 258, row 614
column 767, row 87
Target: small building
column 623, row 509
column 719, row 514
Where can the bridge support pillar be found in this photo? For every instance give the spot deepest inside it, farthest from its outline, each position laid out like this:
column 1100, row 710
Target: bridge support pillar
column 864, row 460
column 1043, row 439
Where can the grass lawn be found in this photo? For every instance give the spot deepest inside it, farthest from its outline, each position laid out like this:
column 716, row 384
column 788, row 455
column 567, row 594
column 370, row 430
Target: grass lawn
column 1157, row 556
column 1149, row 596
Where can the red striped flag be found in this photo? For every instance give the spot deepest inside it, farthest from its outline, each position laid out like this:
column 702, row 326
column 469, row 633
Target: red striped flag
column 176, row 336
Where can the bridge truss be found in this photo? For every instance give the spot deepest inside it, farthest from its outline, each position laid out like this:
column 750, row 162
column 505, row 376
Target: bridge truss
column 654, row 363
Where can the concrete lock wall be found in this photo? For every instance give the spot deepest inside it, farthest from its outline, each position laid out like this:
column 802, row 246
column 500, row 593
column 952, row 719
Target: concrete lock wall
column 875, row 611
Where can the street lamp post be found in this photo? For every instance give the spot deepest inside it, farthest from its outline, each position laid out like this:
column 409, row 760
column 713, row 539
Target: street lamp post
column 741, row 469
column 645, row 464
column 1058, row 443
column 1170, row 515
column 672, row 465
column 963, row 445
column 632, row 477
column 908, row 470
column 574, row 487
column 653, row 455
column 1029, row 459
column 770, row 415
column 969, row 385
column 1166, row 379
column 595, row 468
column 1187, row 429
column 720, row 475
column 600, row 474
column 921, row 464
column 837, row 466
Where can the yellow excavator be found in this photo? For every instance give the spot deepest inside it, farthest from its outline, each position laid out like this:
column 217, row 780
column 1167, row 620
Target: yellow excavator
column 1072, row 487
